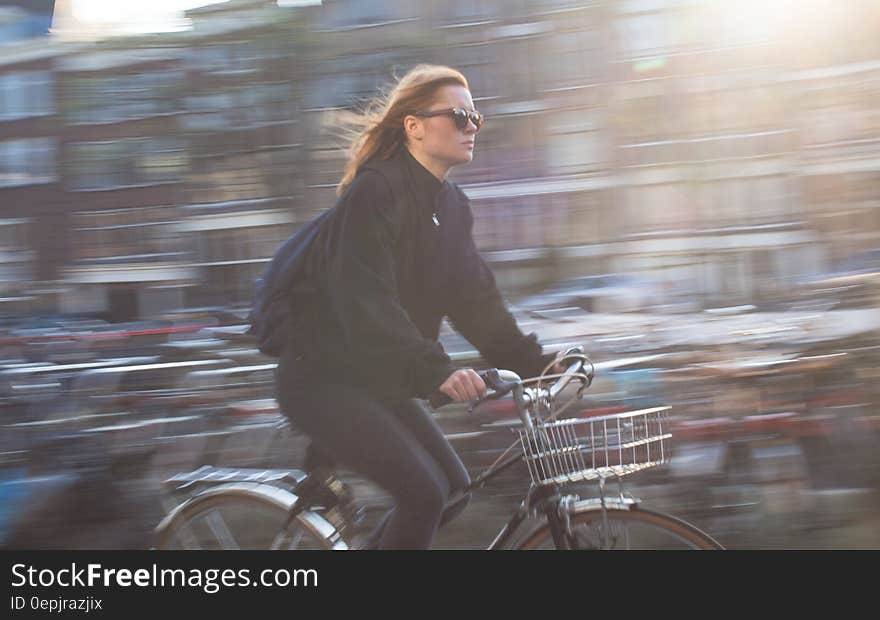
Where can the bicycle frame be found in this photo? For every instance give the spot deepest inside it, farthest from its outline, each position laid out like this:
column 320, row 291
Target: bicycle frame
column 319, row 487
column 309, row 487
column 547, row 499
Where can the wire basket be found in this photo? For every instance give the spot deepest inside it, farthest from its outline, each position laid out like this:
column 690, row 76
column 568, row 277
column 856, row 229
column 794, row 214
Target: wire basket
column 578, row 449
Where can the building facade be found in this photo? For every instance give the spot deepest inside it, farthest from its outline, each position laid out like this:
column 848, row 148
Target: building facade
column 687, row 142
column 31, row 193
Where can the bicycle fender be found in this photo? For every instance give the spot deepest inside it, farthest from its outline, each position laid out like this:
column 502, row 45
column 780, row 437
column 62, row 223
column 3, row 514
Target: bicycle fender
column 282, row 498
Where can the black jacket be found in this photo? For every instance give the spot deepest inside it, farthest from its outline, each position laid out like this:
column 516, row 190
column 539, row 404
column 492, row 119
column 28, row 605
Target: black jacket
column 395, row 257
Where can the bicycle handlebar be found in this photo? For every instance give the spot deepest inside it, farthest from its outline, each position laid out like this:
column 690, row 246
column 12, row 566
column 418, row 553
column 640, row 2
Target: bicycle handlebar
column 491, row 378
column 503, row 382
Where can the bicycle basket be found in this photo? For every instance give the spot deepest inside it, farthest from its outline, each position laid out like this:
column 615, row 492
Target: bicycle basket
column 578, row 449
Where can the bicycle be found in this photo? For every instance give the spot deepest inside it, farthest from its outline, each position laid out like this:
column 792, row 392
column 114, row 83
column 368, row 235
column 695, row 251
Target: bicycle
column 313, row 509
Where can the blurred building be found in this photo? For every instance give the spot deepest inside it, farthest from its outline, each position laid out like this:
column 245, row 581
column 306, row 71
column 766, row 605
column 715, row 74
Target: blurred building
column 698, row 143
column 21, row 20
column 123, row 163
column 245, row 72
column 737, row 115
column 622, row 136
column 30, row 191
column 838, row 159
column 707, row 195
column 660, row 138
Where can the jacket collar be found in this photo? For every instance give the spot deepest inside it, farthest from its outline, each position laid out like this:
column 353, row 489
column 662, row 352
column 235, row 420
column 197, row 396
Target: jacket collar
column 427, row 186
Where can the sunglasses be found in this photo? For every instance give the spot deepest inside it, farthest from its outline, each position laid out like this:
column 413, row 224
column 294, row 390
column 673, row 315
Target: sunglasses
column 459, row 115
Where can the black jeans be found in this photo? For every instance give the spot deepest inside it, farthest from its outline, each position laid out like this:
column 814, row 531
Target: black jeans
column 397, row 445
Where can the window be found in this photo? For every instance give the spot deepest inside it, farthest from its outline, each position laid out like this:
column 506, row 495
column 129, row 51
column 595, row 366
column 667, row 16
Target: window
column 658, row 207
column 745, row 23
column 26, row 93
column 487, row 224
column 127, row 162
column 120, row 97
column 569, row 59
column 647, row 118
column 363, row 12
column 132, row 235
column 237, row 176
column 583, row 222
column 14, row 254
column 27, row 161
column 13, row 234
column 209, row 58
column 480, row 65
column 728, row 202
column 841, row 115
column 574, row 141
column 244, row 56
column 239, row 107
column 771, row 197
column 573, row 152
column 645, row 34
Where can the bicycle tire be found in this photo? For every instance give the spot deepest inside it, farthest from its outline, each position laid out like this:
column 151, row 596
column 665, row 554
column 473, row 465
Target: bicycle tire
column 261, row 509
column 591, row 520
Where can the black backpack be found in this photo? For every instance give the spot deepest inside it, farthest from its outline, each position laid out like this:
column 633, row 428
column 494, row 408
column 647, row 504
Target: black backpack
column 270, row 314
column 284, row 284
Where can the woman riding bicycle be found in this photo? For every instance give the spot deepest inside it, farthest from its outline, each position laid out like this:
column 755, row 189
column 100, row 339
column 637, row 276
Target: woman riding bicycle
column 397, row 256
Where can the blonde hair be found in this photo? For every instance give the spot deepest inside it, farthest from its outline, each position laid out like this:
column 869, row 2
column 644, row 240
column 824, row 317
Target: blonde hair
column 378, row 130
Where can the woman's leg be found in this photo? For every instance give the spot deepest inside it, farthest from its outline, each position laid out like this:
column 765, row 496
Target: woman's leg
column 368, row 437
column 419, row 419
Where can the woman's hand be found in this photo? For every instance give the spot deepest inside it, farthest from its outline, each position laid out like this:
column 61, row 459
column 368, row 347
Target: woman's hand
column 463, row 385
column 466, row 385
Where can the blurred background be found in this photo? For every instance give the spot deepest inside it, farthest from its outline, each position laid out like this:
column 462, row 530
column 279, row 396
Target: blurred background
column 691, row 188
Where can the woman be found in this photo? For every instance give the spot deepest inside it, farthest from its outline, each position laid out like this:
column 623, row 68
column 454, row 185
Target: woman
column 394, row 258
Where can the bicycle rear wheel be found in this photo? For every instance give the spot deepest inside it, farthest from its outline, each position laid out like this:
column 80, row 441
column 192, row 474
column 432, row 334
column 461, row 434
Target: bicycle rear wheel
column 632, row 529
column 244, row 517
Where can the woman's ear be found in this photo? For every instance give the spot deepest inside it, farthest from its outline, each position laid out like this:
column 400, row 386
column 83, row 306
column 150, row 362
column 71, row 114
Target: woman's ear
column 413, row 127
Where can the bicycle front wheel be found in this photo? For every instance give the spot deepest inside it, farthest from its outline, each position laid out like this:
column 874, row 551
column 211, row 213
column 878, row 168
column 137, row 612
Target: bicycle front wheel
column 244, row 517
column 619, row 529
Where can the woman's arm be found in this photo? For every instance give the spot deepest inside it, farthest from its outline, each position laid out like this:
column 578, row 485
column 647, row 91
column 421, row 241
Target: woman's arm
column 396, row 360
column 479, row 313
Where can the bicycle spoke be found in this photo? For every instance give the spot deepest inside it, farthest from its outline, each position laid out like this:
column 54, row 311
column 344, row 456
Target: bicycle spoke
column 278, row 541
column 283, row 536
column 295, row 540
column 189, row 541
column 221, row 531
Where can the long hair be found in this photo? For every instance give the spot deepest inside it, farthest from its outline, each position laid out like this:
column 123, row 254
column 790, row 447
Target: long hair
column 378, row 130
